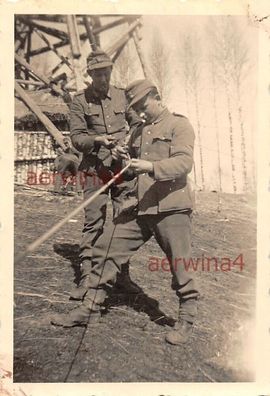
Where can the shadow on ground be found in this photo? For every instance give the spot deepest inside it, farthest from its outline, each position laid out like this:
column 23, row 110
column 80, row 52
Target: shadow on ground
column 120, row 295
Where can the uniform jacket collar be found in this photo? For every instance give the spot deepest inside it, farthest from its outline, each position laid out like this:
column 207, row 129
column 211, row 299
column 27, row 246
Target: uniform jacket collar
column 161, row 116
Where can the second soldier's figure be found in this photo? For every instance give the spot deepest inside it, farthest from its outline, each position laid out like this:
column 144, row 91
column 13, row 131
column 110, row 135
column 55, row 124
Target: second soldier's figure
column 98, row 121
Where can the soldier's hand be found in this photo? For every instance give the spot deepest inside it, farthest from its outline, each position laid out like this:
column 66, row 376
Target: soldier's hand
column 107, row 141
column 67, row 143
column 120, row 152
column 141, row 166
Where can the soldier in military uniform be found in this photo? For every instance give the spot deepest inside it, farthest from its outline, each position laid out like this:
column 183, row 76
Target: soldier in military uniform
column 98, row 121
column 161, row 149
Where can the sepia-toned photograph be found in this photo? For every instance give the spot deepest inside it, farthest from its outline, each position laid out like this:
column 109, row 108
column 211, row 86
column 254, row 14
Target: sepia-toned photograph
column 134, row 198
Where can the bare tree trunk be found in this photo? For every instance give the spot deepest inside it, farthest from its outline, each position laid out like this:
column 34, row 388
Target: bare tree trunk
column 190, row 60
column 199, row 131
column 213, row 74
column 188, row 114
column 229, row 54
column 243, row 141
column 160, row 65
column 231, row 139
column 124, row 68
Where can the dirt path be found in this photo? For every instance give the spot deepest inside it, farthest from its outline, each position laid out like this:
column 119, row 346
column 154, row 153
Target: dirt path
column 128, row 345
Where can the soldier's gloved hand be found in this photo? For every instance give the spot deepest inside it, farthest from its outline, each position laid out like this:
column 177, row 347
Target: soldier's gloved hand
column 141, row 166
column 120, row 152
column 107, row 141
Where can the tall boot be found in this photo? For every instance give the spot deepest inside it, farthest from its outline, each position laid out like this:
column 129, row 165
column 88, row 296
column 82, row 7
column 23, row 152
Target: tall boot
column 79, row 292
column 184, row 326
column 80, row 316
column 124, row 281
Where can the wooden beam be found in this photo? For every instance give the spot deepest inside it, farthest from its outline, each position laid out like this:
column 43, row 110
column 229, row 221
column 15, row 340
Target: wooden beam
column 44, row 79
column 140, row 54
column 90, row 34
column 20, row 42
column 29, row 82
column 83, row 36
column 56, row 68
column 75, row 49
column 96, row 23
column 49, row 18
column 119, row 42
column 46, row 29
column 42, row 50
column 110, row 25
column 28, row 49
column 52, row 48
column 51, row 128
column 119, row 51
column 74, row 37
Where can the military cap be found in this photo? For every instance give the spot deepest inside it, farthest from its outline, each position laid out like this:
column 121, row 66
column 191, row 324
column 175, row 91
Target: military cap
column 98, row 59
column 137, row 90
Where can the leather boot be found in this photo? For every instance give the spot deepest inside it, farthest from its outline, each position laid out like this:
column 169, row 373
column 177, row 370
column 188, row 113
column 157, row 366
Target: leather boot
column 80, row 291
column 80, row 316
column 184, row 326
column 124, row 282
column 180, row 334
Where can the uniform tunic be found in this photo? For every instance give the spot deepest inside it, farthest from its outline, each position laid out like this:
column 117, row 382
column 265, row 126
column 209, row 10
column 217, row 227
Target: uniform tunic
column 91, row 117
column 163, row 210
column 168, row 143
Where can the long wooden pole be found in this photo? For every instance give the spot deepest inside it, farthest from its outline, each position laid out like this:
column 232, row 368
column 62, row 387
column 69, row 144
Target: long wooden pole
column 44, row 38
column 90, row 34
column 46, row 29
column 44, row 79
column 119, row 51
column 34, row 245
column 140, row 54
column 30, row 82
column 75, row 49
column 74, row 37
column 42, row 117
column 118, row 43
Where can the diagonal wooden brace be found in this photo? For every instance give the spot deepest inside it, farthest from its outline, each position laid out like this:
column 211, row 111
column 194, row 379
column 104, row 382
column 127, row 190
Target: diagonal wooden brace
column 51, row 128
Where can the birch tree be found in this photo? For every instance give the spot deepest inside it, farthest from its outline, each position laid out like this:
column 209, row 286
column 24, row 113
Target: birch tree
column 190, row 61
column 230, row 56
column 159, row 64
column 124, row 68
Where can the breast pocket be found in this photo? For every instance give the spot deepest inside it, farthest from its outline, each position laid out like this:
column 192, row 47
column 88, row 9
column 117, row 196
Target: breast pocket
column 119, row 117
column 93, row 118
column 161, row 147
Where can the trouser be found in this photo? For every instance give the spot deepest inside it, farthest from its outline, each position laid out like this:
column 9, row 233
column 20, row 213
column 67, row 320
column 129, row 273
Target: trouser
column 123, row 238
column 95, row 213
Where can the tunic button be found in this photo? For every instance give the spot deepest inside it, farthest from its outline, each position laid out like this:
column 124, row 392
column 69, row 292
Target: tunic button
column 149, row 133
column 146, row 143
column 145, row 153
column 109, row 126
column 107, row 116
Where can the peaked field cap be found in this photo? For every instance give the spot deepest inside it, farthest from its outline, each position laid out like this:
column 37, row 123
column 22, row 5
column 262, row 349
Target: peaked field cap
column 98, row 59
column 137, row 90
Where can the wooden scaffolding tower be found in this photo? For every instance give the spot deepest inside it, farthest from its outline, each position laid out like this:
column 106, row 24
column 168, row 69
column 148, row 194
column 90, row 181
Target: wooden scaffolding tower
column 56, row 32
